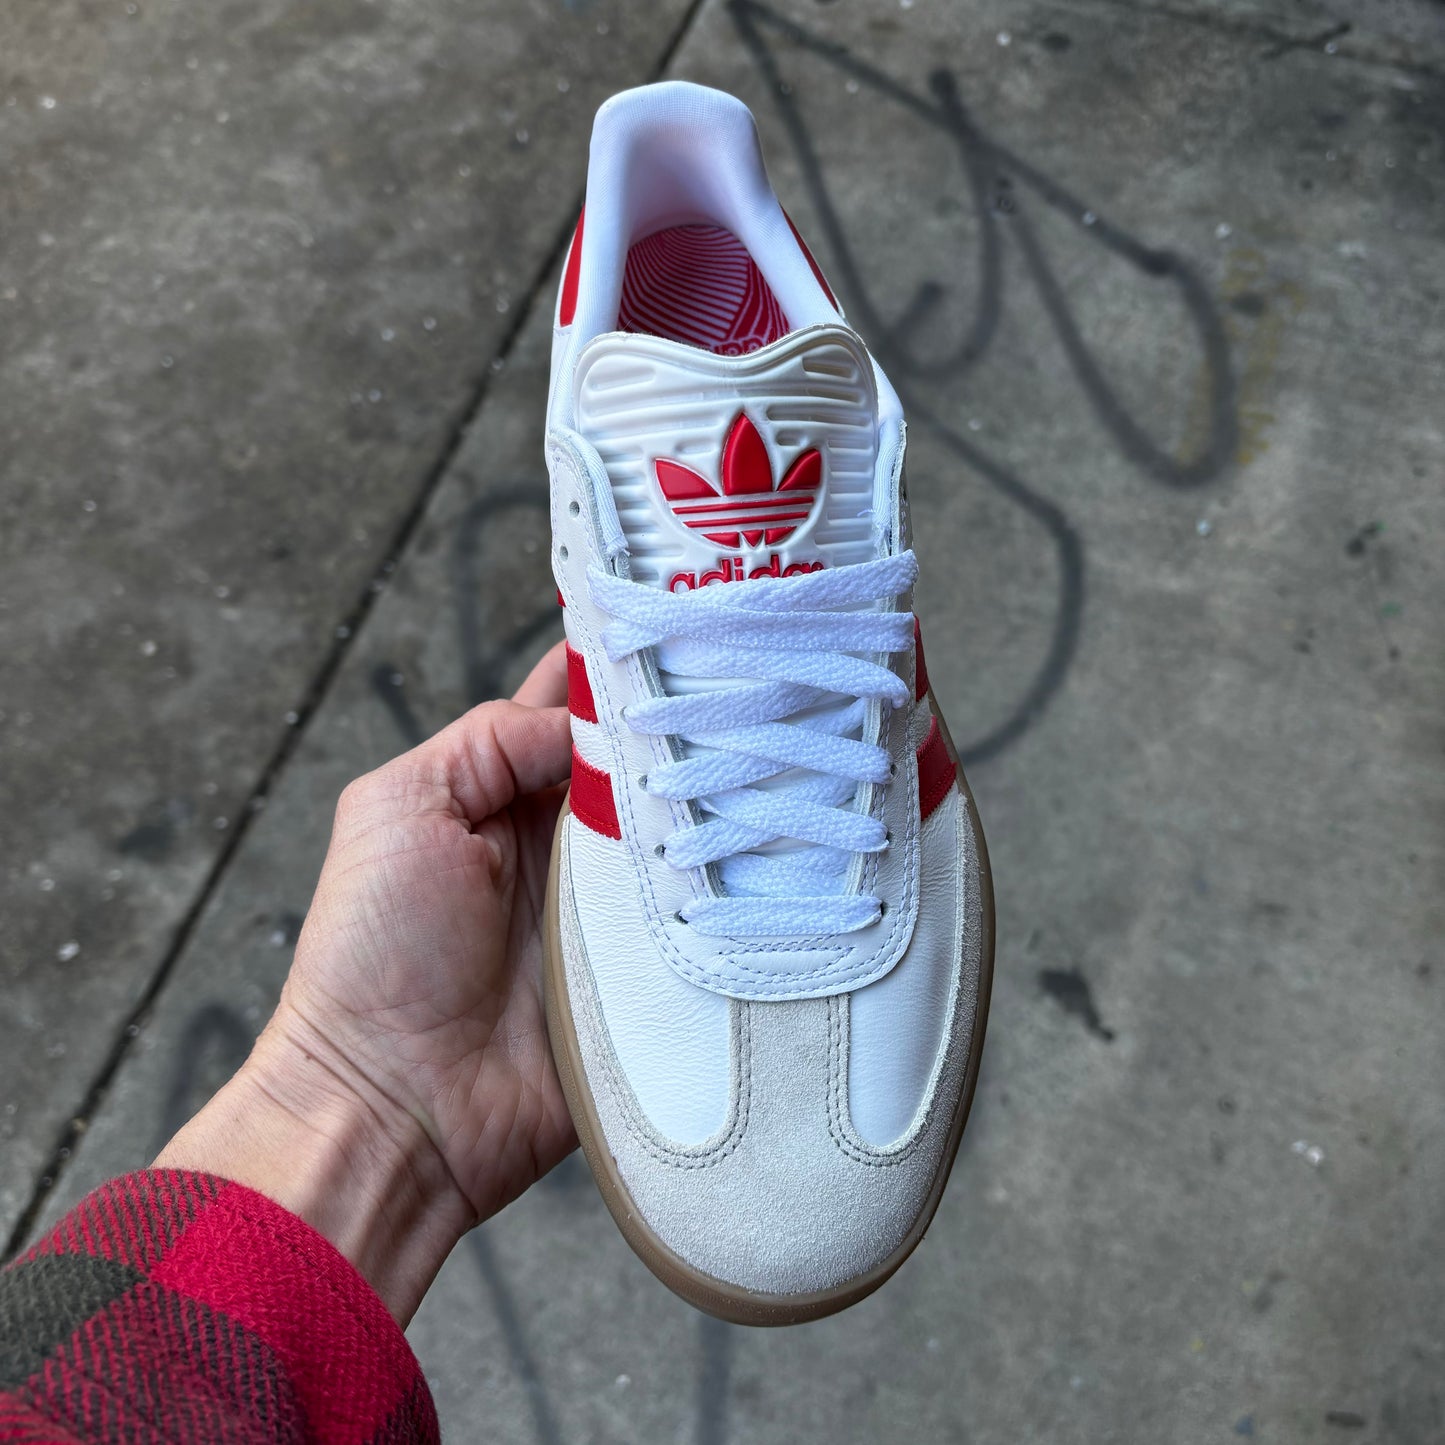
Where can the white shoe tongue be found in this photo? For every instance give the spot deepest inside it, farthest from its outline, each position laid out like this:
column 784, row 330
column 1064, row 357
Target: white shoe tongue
column 726, row 467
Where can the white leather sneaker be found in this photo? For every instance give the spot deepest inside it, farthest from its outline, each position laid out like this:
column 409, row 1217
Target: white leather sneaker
column 770, row 925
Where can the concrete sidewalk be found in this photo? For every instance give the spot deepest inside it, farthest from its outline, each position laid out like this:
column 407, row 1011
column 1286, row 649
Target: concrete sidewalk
column 1161, row 290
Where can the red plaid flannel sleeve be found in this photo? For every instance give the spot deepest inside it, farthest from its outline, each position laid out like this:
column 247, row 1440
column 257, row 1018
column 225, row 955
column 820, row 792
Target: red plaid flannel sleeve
column 176, row 1307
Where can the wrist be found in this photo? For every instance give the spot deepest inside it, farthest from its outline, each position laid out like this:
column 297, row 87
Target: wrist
column 301, row 1125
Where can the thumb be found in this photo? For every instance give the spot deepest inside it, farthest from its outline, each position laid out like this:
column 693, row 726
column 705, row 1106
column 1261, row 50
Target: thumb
column 496, row 753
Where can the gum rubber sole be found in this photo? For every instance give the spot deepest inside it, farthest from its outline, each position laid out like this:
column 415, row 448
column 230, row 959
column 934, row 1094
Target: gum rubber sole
column 717, row 1297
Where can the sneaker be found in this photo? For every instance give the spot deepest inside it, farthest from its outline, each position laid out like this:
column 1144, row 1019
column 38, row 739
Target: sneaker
column 769, row 920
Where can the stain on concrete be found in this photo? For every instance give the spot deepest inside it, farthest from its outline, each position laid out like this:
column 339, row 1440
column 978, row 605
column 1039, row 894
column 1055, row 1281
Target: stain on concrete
column 1357, row 545
column 1070, row 990
column 1259, row 311
column 154, row 836
column 1263, row 1298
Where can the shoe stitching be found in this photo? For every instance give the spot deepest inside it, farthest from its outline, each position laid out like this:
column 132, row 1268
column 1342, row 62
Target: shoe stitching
column 839, row 1037
column 620, row 1090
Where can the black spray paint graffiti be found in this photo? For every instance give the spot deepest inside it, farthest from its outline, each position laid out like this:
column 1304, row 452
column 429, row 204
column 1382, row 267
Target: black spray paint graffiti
column 1001, row 186
column 213, row 1045
column 488, row 650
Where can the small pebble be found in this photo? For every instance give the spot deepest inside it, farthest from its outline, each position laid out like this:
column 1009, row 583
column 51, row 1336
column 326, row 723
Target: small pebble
column 67, row 951
column 1204, row 526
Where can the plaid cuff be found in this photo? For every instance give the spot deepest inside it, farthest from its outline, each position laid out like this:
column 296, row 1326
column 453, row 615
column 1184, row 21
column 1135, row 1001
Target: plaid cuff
column 178, row 1307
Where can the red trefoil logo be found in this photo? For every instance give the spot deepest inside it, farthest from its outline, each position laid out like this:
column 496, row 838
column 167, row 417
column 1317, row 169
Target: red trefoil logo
column 750, row 510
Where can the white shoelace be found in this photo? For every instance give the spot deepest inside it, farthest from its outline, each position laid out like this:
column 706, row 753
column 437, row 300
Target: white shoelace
column 791, row 645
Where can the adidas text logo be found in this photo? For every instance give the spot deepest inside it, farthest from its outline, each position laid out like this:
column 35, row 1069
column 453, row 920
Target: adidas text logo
column 730, row 569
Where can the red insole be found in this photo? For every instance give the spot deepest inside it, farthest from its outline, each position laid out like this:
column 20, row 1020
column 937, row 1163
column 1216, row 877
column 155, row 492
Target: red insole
column 698, row 285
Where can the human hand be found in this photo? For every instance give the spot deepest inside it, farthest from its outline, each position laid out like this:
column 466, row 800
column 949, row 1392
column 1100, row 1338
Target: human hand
column 404, row 1088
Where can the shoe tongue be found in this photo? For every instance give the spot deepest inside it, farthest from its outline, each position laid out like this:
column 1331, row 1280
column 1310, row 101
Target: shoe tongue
column 726, row 467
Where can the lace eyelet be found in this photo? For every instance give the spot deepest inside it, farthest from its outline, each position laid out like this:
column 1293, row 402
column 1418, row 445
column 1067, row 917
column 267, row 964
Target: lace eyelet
column 642, row 782
column 892, row 770
column 679, row 918
column 575, row 508
column 562, row 553
column 659, row 850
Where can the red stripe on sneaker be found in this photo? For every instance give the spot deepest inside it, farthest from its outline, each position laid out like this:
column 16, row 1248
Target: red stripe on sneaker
column 936, row 771
column 592, row 802
column 567, row 308
column 580, row 702
column 920, row 669
column 818, row 275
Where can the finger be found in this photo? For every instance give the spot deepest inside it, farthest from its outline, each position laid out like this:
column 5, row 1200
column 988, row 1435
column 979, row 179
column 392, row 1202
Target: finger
column 495, row 753
column 546, row 684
